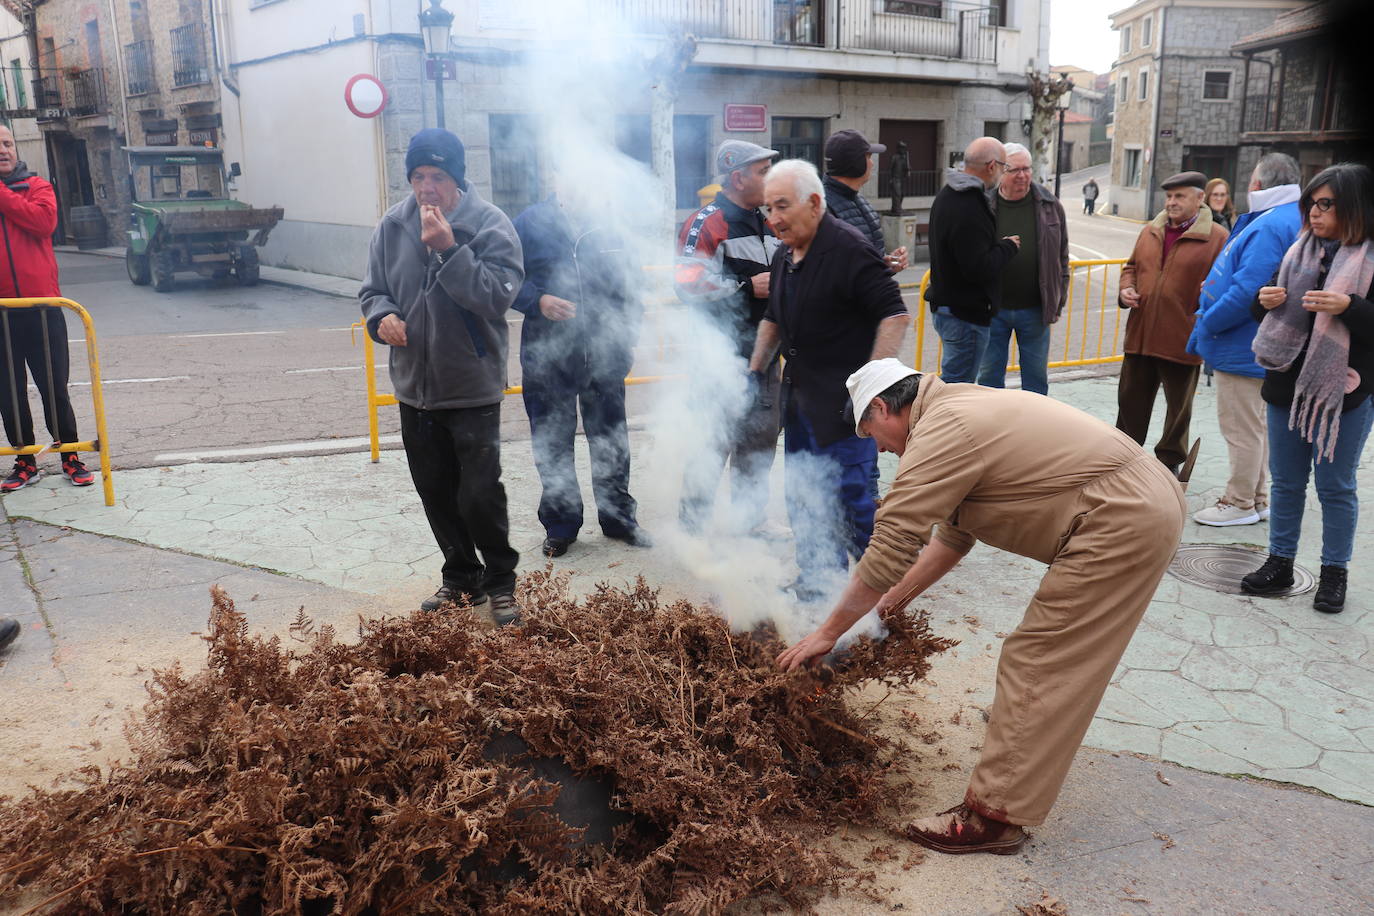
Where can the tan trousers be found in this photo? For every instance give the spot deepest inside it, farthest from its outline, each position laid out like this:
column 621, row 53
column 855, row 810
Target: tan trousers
column 1240, row 411
column 1055, row 667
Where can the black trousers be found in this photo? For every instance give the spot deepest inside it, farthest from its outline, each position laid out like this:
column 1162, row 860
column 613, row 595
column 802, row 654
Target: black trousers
column 1141, row 379
column 552, row 406
column 455, row 463
column 1089, row 205
column 749, row 446
column 22, row 342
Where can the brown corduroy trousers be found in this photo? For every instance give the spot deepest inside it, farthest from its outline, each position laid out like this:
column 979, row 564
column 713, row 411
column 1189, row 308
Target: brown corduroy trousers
column 1141, row 379
column 1057, row 664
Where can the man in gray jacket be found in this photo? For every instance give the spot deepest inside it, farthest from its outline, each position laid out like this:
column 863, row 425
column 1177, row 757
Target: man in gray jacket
column 1035, row 282
column 444, row 267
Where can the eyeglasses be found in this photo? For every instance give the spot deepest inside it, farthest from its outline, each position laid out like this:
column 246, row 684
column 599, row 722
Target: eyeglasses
column 1000, row 162
column 1019, row 170
column 1324, row 204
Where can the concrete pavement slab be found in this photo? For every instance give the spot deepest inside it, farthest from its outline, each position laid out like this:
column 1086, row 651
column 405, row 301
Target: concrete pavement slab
column 1205, row 671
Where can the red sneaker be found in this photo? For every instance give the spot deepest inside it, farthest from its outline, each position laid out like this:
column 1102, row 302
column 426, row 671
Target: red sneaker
column 76, row 471
column 963, row 830
column 25, row 472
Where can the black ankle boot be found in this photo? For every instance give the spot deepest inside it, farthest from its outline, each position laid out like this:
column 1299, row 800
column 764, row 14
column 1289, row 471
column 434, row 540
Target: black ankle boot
column 1330, row 598
column 1273, row 577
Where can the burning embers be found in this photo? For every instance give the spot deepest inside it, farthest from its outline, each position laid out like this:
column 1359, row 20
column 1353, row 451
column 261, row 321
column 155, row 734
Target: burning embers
column 362, row 777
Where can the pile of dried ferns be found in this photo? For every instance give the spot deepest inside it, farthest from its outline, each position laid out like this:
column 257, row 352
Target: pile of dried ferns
column 337, row 777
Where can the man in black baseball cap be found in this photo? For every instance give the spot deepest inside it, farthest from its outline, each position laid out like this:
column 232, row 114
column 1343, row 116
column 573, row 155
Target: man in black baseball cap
column 848, row 166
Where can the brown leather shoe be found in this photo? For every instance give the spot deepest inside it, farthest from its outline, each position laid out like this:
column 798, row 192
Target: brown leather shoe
column 961, row 829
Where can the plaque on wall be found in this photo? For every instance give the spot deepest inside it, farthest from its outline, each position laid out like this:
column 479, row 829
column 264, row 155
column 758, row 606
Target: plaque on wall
column 206, row 137
column 161, row 138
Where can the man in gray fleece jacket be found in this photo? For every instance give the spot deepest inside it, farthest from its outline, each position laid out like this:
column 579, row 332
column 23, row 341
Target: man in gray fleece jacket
column 444, row 267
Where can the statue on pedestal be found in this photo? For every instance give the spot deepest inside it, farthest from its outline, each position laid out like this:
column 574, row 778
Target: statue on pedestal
column 897, row 168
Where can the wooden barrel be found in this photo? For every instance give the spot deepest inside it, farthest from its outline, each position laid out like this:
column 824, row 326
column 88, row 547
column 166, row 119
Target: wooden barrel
column 88, row 227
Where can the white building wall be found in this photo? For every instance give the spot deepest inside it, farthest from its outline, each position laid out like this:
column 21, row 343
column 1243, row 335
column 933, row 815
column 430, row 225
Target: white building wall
column 15, row 46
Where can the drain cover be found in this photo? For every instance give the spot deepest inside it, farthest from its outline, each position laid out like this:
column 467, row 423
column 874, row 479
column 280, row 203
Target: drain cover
column 1221, row 568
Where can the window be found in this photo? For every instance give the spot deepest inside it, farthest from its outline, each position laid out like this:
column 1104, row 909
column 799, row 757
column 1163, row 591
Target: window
column 514, row 162
column 1216, row 85
column 691, row 156
column 1130, row 168
column 20, row 97
column 797, row 22
column 922, row 139
column 1147, row 31
column 1125, row 40
column 800, row 138
column 1143, row 85
column 930, row 8
column 996, row 129
column 189, row 64
column 94, row 57
column 1123, row 89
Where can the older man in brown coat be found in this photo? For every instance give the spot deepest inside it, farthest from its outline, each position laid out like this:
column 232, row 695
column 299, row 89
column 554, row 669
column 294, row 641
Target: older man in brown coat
column 1160, row 284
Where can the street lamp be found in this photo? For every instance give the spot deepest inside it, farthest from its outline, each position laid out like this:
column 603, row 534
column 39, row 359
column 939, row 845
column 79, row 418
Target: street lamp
column 436, row 24
column 1062, row 102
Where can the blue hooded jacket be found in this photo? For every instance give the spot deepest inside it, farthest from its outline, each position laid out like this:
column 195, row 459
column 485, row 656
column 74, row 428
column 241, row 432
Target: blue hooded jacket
column 1224, row 328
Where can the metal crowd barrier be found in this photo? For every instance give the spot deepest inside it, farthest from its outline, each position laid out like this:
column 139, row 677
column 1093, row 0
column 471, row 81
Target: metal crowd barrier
column 376, row 399
column 1085, row 319
column 101, row 443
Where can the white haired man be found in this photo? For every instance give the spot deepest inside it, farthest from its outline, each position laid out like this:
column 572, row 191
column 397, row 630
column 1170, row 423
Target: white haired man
column 832, row 306
column 1035, row 282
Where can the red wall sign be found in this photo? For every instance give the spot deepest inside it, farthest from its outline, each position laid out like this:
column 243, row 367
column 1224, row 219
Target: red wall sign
column 746, row 117
column 365, row 95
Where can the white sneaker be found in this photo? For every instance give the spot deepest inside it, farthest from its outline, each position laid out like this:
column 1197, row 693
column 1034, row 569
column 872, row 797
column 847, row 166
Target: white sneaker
column 1262, row 512
column 1224, row 514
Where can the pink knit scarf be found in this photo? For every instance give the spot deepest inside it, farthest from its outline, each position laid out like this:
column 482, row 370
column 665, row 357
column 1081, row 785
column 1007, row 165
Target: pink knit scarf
column 1326, row 376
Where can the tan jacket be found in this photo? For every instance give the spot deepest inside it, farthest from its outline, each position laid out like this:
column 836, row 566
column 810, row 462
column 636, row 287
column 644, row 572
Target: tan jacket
column 1005, row 467
column 1169, row 290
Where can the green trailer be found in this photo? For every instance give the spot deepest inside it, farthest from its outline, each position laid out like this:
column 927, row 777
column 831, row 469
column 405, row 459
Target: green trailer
column 182, row 219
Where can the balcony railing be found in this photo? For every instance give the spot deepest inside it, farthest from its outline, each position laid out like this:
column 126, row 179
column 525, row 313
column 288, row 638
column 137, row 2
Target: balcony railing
column 49, row 93
column 932, row 28
column 1301, row 96
column 189, row 63
column 138, row 62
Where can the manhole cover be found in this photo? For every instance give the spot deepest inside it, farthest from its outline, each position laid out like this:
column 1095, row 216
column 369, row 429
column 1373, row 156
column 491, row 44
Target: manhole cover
column 1221, row 568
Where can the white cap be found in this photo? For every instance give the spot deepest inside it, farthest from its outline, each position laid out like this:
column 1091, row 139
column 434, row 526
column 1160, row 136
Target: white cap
column 872, row 380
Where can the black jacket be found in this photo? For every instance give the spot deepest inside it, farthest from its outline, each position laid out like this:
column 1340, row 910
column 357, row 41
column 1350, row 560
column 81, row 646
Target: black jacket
column 589, row 266
column 828, row 309
column 966, row 257
column 849, row 206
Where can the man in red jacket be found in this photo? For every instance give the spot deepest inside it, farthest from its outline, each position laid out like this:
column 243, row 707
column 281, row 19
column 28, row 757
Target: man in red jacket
column 36, row 337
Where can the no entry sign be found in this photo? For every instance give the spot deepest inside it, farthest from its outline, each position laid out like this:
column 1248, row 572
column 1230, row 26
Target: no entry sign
column 365, row 95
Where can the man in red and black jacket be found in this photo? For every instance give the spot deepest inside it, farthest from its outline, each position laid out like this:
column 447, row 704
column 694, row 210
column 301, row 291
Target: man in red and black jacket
column 38, row 336
column 723, row 270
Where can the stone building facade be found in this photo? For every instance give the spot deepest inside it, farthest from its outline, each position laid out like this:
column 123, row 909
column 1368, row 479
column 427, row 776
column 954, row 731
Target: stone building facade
column 1184, row 45
column 145, row 75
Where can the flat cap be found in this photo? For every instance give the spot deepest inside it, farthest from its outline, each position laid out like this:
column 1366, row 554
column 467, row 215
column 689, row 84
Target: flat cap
column 736, row 154
column 1185, row 180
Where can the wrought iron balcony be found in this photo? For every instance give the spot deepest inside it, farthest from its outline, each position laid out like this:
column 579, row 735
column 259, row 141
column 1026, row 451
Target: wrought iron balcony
column 51, row 93
column 190, row 65
column 138, row 66
column 1303, row 94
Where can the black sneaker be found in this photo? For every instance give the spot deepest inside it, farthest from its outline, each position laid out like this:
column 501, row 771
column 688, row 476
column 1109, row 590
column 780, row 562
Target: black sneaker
column 503, row 609
column 25, row 472
column 9, row 630
column 1273, row 578
column 556, row 547
column 453, row 596
column 76, row 471
column 1330, row 597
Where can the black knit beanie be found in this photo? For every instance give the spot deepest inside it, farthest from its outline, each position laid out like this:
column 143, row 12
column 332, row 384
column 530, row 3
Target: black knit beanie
column 439, row 148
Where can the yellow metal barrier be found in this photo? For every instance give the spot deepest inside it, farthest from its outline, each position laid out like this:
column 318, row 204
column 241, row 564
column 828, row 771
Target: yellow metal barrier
column 1093, row 312
column 101, row 442
column 376, row 399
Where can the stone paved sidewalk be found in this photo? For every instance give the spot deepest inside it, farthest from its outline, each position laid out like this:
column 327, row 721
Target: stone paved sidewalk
column 1222, row 683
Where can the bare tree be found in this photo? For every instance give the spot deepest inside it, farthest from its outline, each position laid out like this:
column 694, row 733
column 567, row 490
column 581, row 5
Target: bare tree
column 1045, row 90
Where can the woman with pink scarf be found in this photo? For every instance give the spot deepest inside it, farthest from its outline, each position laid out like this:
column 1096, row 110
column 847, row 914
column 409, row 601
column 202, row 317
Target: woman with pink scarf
column 1316, row 343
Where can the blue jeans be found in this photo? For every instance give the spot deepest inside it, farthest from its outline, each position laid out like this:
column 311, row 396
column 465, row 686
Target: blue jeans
column 1032, row 343
column 964, row 342
column 1292, row 461
column 829, row 497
